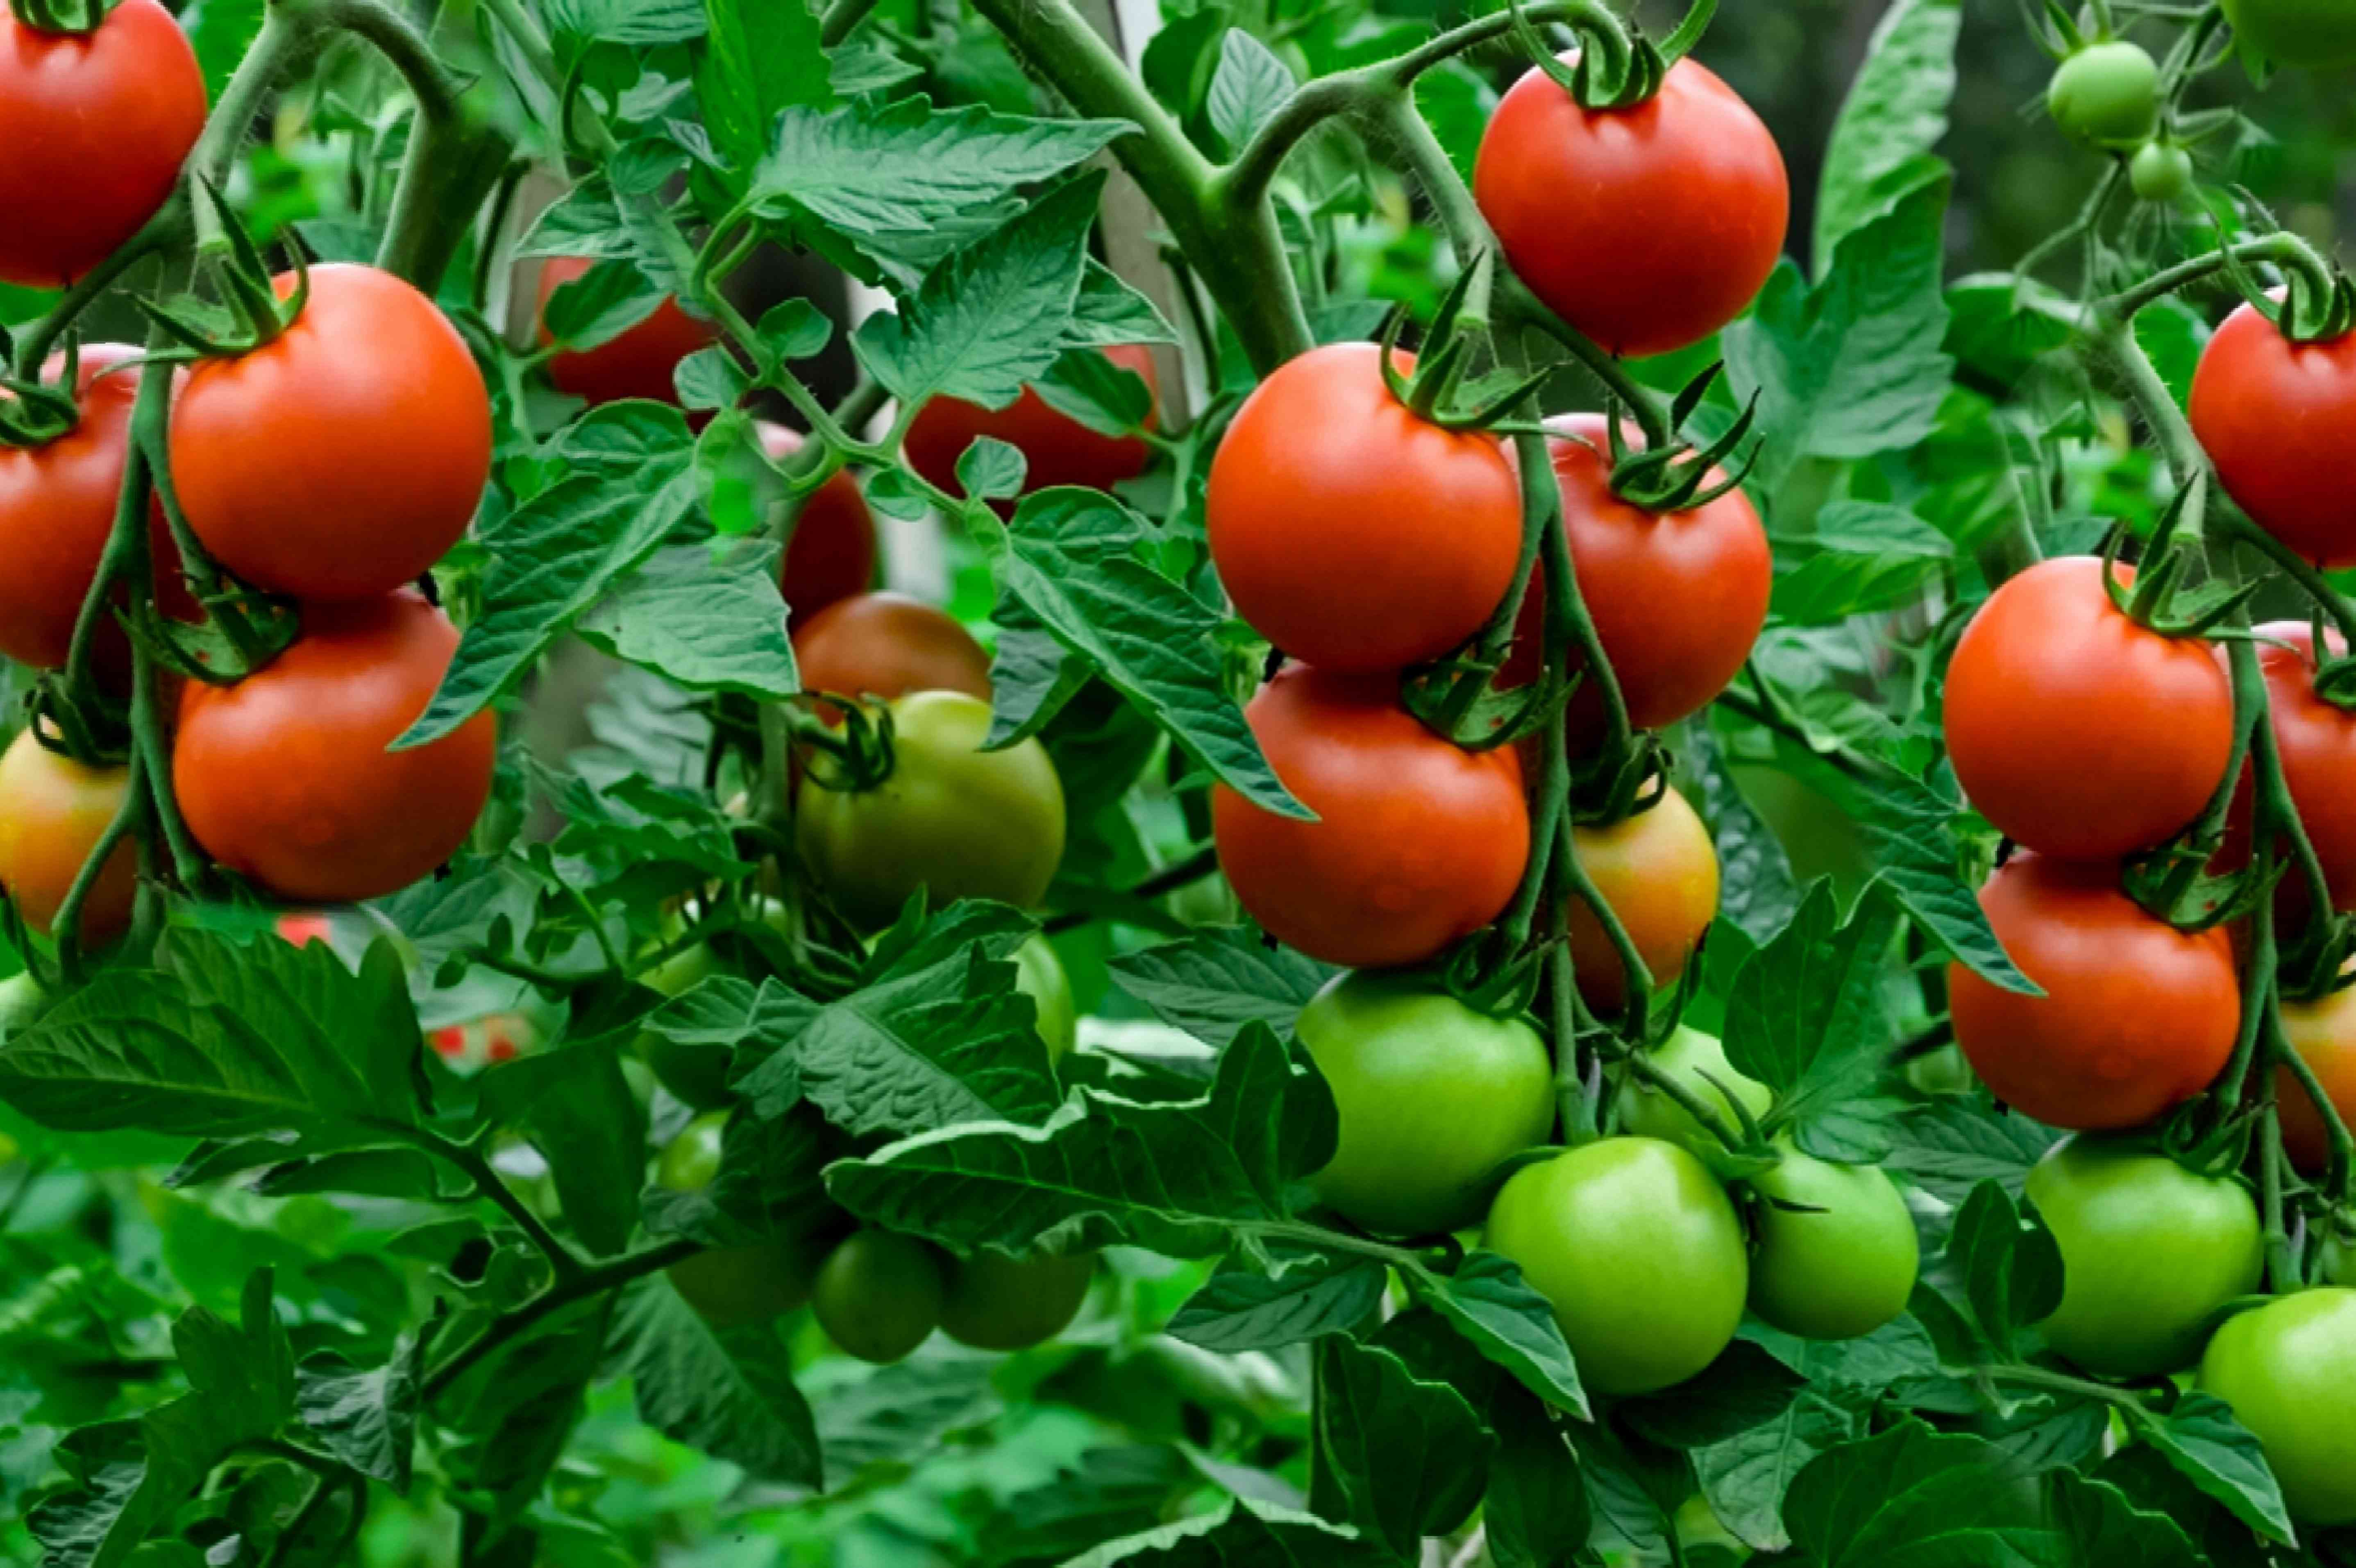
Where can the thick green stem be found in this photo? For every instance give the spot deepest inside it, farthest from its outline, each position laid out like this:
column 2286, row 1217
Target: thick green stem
column 2299, row 570
column 2287, row 249
column 582, row 1284
column 1390, row 117
column 489, row 1184
column 455, row 162
column 170, row 226
column 2052, row 1382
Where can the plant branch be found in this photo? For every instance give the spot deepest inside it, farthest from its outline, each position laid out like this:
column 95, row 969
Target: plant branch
column 584, row 1284
column 487, row 1184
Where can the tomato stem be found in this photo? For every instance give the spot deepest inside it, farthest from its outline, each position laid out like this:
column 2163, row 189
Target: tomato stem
column 584, row 1284
column 487, row 1184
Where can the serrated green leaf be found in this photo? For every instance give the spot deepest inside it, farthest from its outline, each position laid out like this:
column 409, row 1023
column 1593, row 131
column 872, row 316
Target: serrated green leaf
column 730, row 1393
column 1896, row 113
column 1240, row 1308
column 707, row 623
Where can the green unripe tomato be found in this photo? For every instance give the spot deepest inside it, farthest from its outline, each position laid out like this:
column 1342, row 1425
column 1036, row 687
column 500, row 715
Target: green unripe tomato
column 2288, row 1369
column 1639, row 1252
column 21, row 1000
column 951, row 818
column 1693, row 1059
column 1845, row 1267
column 1432, row 1096
column 1039, row 974
column 2310, row 33
column 1699, row 1530
column 2335, row 1264
column 2160, row 172
column 2149, row 1251
column 692, row 1160
column 878, row 1295
column 1942, row 1071
column 2106, row 94
column 733, row 1287
column 997, row 1303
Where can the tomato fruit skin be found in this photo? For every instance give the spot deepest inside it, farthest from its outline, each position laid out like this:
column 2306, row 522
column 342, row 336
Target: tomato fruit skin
column 878, row 1295
column 2149, row 1251
column 53, row 810
column 831, row 556
column 734, row 1287
column 96, row 127
column 2313, row 33
column 2106, row 94
column 1349, row 533
column 2288, row 1369
column 1056, row 448
column 2137, row 1017
column 344, row 458
column 997, row 1303
column 2160, row 172
column 1677, row 598
column 690, row 1162
column 1432, row 1096
column 636, row 363
column 952, row 818
column 1658, row 870
column 2077, row 731
column 1697, row 1062
column 284, row 776
column 1639, row 1251
column 2271, row 414
column 887, row 645
column 1647, row 228
column 1417, row 843
column 1845, row 1268
column 1039, row 974
column 2323, row 1032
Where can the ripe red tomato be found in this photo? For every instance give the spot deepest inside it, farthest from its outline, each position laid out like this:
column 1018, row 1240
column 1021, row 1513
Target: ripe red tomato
column 1417, row 843
column 1351, row 534
column 1658, row 870
column 52, row 812
column 2137, row 1016
column 888, row 645
column 1677, row 598
column 636, row 363
column 2323, row 1032
column 57, row 509
column 1059, row 449
column 1647, row 228
column 96, row 127
column 832, row 555
column 2077, row 731
column 2273, row 415
column 344, row 458
column 2318, row 742
column 285, row 777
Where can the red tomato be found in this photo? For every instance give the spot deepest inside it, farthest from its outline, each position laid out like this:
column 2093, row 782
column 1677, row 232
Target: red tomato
column 52, row 812
column 1647, row 228
column 638, row 361
column 1677, row 598
column 1059, row 448
column 1658, row 870
column 1351, row 534
column 888, row 645
column 2077, row 731
column 833, row 554
column 344, row 458
column 57, row 509
column 94, row 128
column 2137, row 1017
column 2323, row 1032
column 301, row 927
column 2274, row 416
column 285, row 777
column 1417, row 843
column 2317, row 742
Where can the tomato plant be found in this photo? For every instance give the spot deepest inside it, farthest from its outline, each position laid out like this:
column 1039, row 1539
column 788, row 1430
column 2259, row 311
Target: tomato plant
column 832, row 555
column 1837, row 1253
column 887, row 645
column 2259, row 402
column 2283, row 1369
column 878, row 1295
column 641, row 360
column 1056, row 448
column 1658, row 872
column 2106, row 93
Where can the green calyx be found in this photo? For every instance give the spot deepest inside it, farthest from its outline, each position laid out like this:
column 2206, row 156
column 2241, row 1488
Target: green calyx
column 1616, row 67
column 62, row 18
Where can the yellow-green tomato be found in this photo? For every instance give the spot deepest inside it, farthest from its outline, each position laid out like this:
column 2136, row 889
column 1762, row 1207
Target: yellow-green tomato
column 878, row 1295
column 1639, row 1252
column 1432, row 1097
column 951, row 818
column 1697, row 1062
column 2288, row 1369
column 1844, row 1263
column 1039, row 974
column 2149, row 1251
column 997, row 1303
column 692, row 1160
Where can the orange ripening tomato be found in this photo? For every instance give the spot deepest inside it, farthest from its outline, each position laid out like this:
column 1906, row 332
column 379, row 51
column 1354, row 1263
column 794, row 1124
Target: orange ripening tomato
column 93, row 129
column 1658, row 870
column 2137, row 1017
column 2274, row 416
column 345, row 456
column 2076, row 731
column 1677, row 598
column 2323, row 1032
column 1348, row 531
column 1647, row 228
column 57, row 509
column 1057, row 448
column 638, row 362
column 887, row 645
column 53, row 810
column 832, row 555
column 1417, row 843
column 285, row 778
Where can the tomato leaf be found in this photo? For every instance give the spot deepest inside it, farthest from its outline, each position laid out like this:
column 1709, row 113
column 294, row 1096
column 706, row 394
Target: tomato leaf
column 1240, row 1308
column 760, row 57
column 1911, row 831
column 769, row 1183
column 1896, row 113
column 2217, row 1454
column 1860, row 557
column 1806, row 1015
column 898, row 1414
column 1217, row 981
column 577, row 1109
column 1536, row 1505
column 2098, row 1524
column 1249, row 85
column 1406, row 1458
column 367, row 1417
column 1910, row 1498
column 1745, row 1387
column 708, row 623
column 2008, row 1265
column 1108, row 313
column 1951, row 1145
column 1243, row 1534
column 1745, row 1477
column 1756, row 889
column 1500, row 1315
column 728, row 1392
